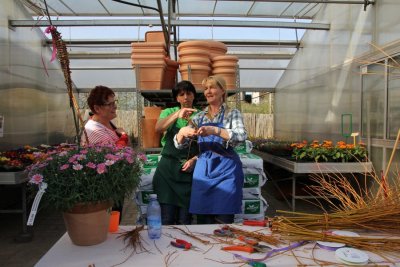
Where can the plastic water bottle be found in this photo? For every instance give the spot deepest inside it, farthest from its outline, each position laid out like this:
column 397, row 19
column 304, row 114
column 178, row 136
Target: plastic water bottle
column 153, row 218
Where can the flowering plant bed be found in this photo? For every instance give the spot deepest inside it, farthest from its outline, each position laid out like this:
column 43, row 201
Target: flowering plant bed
column 17, row 159
column 314, row 151
column 89, row 174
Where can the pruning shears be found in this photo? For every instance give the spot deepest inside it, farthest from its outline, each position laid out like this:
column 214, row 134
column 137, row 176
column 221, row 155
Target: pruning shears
column 224, row 232
column 262, row 223
column 251, row 246
column 180, row 243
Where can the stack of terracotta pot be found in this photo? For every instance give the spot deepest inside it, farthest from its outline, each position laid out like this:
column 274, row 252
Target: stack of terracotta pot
column 150, row 137
column 199, row 59
column 156, row 71
column 194, row 61
column 226, row 66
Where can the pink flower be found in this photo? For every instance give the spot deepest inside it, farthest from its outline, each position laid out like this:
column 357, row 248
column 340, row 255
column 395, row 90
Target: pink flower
column 111, row 157
column 101, row 168
column 63, row 153
column 109, row 162
column 91, row 165
column 81, row 157
column 64, row 167
column 72, row 159
column 77, row 167
column 84, row 151
column 36, row 179
column 129, row 160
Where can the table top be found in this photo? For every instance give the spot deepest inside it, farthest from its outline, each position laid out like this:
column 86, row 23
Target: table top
column 159, row 252
column 315, row 167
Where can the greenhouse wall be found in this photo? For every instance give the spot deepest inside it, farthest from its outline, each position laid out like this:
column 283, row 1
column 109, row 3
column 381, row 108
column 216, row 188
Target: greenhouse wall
column 319, row 95
column 33, row 99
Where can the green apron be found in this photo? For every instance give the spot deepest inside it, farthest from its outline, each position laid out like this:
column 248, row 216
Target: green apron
column 172, row 185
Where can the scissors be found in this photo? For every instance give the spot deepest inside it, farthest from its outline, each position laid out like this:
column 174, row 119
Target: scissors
column 251, row 246
column 224, row 232
column 180, row 243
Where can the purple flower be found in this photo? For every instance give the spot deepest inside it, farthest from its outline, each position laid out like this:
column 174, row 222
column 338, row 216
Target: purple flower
column 91, row 165
column 64, row 167
column 101, row 168
column 36, row 179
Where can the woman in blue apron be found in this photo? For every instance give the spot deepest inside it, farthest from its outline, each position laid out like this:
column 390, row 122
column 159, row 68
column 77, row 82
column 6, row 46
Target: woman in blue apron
column 218, row 175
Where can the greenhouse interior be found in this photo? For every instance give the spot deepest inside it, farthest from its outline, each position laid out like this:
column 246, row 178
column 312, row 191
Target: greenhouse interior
column 298, row 166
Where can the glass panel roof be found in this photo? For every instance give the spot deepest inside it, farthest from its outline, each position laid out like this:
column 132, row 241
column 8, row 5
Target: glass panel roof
column 103, row 62
column 208, row 8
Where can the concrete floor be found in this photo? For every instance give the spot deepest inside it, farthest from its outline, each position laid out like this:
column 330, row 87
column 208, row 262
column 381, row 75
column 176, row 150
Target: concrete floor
column 49, row 227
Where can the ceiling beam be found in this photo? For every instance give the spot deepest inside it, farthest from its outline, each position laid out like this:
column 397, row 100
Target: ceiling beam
column 239, row 54
column 188, row 23
column 359, row 2
column 232, row 43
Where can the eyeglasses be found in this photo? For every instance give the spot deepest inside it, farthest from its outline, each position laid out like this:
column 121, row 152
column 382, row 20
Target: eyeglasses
column 111, row 104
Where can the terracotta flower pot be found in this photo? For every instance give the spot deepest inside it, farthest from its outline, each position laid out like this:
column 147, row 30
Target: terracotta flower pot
column 149, row 45
column 188, row 60
column 151, row 75
column 229, row 75
column 197, row 74
column 217, row 49
column 203, row 45
column 148, row 51
column 87, row 224
column 152, row 112
column 170, row 73
column 150, row 137
column 154, row 36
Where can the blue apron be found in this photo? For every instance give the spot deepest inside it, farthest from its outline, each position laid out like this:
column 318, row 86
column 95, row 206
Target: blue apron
column 217, row 178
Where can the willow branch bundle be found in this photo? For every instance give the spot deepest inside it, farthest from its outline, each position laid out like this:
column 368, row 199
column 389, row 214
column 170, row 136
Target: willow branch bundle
column 359, row 208
column 256, row 235
column 62, row 55
column 376, row 244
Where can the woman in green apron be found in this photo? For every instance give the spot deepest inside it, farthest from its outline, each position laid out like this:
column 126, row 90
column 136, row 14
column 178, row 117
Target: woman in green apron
column 218, row 175
column 172, row 180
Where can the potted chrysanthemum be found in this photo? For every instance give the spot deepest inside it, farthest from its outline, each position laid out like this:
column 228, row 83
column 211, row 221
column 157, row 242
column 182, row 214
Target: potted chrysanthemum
column 83, row 181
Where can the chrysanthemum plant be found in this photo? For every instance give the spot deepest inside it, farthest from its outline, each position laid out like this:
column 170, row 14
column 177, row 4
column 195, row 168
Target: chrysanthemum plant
column 79, row 175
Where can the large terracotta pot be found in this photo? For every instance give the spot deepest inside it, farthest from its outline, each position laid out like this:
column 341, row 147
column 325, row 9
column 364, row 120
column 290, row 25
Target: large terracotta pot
column 149, row 45
column 196, row 75
column 154, row 36
column 229, row 75
column 151, row 139
column 217, row 48
column 87, row 224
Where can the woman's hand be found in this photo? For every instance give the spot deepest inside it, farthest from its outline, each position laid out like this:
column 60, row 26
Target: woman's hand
column 188, row 166
column 185, row 132
column 208, row 130
column 120, row 131
column 185, row 113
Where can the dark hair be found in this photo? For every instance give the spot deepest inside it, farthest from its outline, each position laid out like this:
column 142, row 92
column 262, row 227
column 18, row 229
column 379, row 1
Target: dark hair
column 98, row 96
column 184, row 86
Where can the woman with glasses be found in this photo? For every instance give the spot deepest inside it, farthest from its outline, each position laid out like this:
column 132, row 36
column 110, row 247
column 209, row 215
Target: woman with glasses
column 99, row 128
column 218, row 176
column 172, row 181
